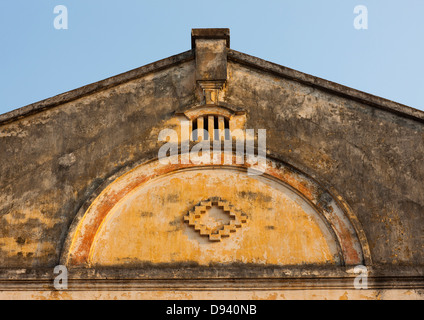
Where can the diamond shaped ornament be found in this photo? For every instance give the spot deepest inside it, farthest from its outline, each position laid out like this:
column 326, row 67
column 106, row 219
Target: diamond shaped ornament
column 211, row 227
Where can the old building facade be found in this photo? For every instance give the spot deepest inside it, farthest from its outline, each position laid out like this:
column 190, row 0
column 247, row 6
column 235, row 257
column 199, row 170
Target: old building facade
column 212, row 174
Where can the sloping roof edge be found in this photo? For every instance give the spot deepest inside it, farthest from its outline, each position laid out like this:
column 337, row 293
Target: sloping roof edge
column 233, row 55
column 94, row 87
column 325, row 85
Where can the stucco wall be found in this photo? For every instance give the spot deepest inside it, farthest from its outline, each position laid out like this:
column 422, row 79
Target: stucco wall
column 52, row 161
column 373, row 158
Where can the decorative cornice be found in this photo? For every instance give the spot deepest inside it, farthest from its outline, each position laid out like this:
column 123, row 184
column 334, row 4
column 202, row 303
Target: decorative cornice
column 318, row 283
column 185, row 277
column 210, row 33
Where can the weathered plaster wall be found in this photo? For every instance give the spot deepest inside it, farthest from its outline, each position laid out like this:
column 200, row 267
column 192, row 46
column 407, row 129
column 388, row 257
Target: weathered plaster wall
column 147, row 225
column 372, row 157
column 52, row 161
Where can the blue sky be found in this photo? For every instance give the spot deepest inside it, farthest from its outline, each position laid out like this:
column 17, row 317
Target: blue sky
column 106, row 38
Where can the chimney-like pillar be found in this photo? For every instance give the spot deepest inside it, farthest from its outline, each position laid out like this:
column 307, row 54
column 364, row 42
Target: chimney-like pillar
column 210, row 48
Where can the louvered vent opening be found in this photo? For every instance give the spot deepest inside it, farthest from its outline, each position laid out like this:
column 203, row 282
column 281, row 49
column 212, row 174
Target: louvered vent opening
column 210, row 128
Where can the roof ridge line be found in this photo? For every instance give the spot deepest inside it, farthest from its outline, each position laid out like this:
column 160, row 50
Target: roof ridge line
column 243, row 58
